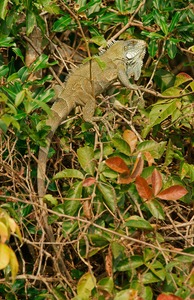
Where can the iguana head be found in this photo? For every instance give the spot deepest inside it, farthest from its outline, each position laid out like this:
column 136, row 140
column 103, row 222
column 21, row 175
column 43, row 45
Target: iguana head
column 134, row 52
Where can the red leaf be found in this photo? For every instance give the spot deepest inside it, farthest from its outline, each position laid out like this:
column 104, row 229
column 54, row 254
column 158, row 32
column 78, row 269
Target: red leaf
column 184, row 75
column 149, row 158
column 131, row 139
column 89, row 181
column 138, row 167
column 108, row 263
column 156, row 181
column 87, row 209
column 117, row 164
column 125, row 178
column 168, row 297
column 143, row 188
column 174, row 192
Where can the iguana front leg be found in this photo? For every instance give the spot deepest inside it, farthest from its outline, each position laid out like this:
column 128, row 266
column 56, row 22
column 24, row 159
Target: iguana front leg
column 122, row 76
column 89, row 108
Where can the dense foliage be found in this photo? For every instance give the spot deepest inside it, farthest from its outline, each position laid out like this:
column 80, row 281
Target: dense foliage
column 120, row 191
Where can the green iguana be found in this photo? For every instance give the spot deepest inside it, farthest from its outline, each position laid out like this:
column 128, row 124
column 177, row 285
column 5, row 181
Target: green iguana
column 123, row 60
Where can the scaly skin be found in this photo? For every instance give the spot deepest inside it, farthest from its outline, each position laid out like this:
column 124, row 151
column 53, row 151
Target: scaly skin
column 122, row 61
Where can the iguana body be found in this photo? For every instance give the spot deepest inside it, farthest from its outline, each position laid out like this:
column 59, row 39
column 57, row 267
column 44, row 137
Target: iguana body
column 122, row 61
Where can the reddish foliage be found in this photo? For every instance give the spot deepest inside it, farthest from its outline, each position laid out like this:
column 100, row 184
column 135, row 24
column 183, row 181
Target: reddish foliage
column 168, row 297
column 89, row 181
column 143, row 188
column 131, row 139
column 138, row 167
column 125, row 178
column 117, row 164
column 156, row 180
column 173, row 193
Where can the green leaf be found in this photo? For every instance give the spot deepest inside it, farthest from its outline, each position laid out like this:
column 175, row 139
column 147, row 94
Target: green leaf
column 52, row 8
column 12, row 77
column 164, row 79
column 4, row 233
column 91, row 7
column 187, row 169
column 93, row 251
column 157, row 269
column 126, row 294
column 147, row 19
column 72, row 206
column 171, row 48
column 86, row 159
column 138, row 222
column 97, row 239
column 154, row 148
column 3, row 70
column 51, row 199
column 3, row 8
column 18, row 52
column 41, row 62
column 187, row 27
column 110, row 174
column 182, row 78
column 98, row 40
column 159, row 113
column 69, row 227
column 7, row 41
column 62, row 23
column 156, row 209
column 152, row 47
column 13, row 265
column 85, row 286
column 45, row 96
column 118, row 250
column 106, row 284
column 19, row 98
column 161, row 21
column 30, row 21
column 4, row 255
column 8, row 119
column 110, row 17
column 174, row 21
column 169, row 154
column 184, row 259
column 162, row 111
column 3, row 126
column 43, row 105
column 122, row 146
column 109, row 195
column 69, row 173
column 23, row 73
column 58, row 294
column 120, row 5
column 3, row 98
column 134, row 262
column 149, row 277
column 146, row 293
column 152, row 35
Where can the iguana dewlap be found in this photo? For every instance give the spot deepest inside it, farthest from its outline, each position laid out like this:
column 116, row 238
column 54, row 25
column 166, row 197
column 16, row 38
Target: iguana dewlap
column 123, row 60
